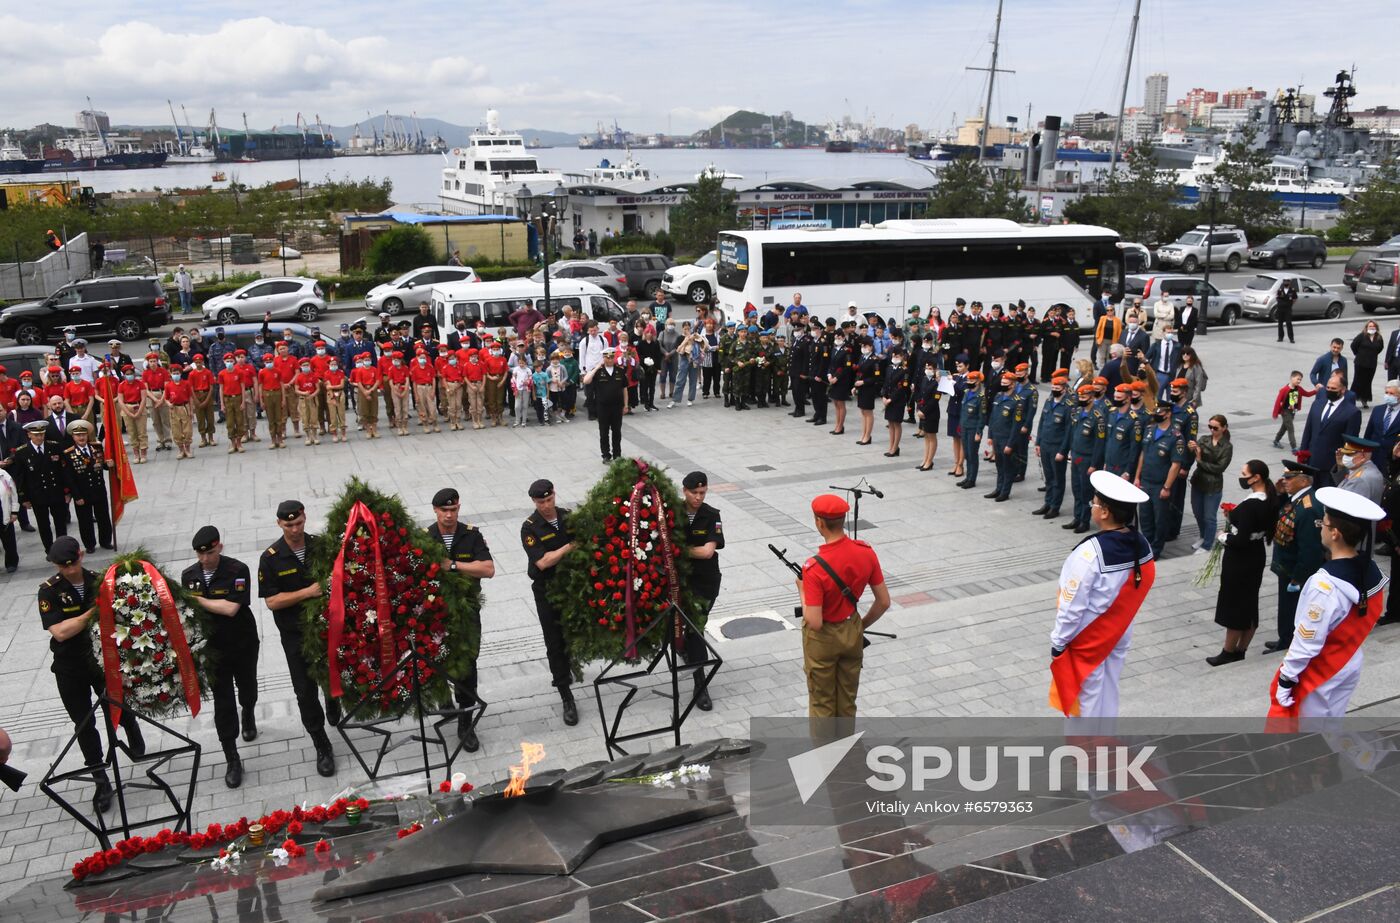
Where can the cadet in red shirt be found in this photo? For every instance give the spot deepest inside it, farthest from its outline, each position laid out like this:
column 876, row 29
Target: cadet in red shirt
column 396, row 382
column 320, row 362
column 231, row 402
column 368, row 383
column 77, row 394
column 496, row 366
column 424, row 378
column 449, row 368
column 476, row 386
column 273, row 402
column 131, row 394
column 53, row 386
column 333, row 393
column 179, row 394
column 286, row 365
column 249, row 373
column 202, row 381
column 156, row 378
column 832, row 628
column 308, row 388
column 8, row 389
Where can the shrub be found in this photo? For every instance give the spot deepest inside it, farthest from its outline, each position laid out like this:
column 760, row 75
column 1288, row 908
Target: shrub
column 400, row 249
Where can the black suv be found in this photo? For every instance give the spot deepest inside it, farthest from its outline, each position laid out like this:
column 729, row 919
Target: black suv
column 1290, row 250
column 124, row 306
column 643, row 270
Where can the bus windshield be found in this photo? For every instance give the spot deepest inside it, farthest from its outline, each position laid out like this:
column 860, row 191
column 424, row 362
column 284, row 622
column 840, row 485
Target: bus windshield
column 732, row 262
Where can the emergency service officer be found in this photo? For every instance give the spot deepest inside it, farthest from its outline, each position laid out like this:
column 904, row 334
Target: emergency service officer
column 546, row 538
column 67, row 606
column 704, row 537
column 223, row 587
column 467, row 555
column 285, row 584
column 832, row 629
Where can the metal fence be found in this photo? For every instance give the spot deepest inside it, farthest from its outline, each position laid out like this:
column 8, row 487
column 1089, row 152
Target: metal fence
column 218, row 253
column 29, row 279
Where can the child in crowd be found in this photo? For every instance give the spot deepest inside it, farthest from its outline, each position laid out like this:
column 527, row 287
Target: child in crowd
column 1286, row 407
column 543, row 406
column 521, row 384
column 569, row 361
column 558, row 384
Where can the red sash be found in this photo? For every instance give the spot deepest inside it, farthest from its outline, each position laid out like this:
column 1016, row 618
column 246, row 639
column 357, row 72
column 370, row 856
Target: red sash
column 170, row 620
column 360, row 515
column 1341, row 645
column 1095, row 642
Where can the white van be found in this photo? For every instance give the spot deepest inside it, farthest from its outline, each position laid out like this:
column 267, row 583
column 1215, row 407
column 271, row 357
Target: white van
column 494, row 302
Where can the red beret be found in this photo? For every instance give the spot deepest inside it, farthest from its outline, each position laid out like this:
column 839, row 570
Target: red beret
column 54, row 368
column 1059, row 380
column 830, row 506
column 1138, row 386
column 975, row 376
column 1007, row 377
column 1180, row 383
column 1059, row 372
column 240, row 352
column 1100, row 380
column 1125, row 387
column 3, row 369
column 1023, row 366
column 76, row 368
column 128, row 368
column 1086, row 389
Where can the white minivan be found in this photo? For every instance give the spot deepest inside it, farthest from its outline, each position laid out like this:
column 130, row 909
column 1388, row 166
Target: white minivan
column 494, row 302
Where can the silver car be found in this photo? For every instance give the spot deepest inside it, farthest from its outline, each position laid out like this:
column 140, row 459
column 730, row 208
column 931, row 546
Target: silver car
column 1259, row 297
column 1226, row 244
column 285, row 298
column 607, row 277
column 414, row 286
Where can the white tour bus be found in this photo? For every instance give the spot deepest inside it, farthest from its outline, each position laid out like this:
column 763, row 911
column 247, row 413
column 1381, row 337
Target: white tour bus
column 892, row 266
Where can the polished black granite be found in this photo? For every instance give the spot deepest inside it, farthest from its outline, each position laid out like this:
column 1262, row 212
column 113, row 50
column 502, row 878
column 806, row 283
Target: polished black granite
column 1293, row 826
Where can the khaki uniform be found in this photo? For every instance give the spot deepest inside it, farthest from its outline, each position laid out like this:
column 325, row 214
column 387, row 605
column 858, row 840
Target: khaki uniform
column 426, row 398
column 203, row 403
column 160, row 416
column 135, row 427
column 335, row 410
column 832, row 658
column 307, row 403
column 368, row 408
column 181, row 424
column 250, row 413
column 495, row 400
column 453, row 390
column 398, row 409
column 476, row 401
column 275, row 409
column 233, row 418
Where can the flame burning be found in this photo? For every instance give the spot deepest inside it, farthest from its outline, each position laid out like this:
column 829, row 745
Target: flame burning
column 530, row 754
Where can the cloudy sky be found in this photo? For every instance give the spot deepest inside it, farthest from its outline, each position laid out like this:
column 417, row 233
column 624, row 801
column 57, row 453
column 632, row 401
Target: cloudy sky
column 567, row 65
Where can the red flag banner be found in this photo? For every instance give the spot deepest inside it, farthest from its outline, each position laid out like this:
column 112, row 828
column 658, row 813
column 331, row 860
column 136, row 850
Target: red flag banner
column 121, row 481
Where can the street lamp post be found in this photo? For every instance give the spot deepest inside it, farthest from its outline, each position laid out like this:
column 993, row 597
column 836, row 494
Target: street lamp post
column 1215, row 194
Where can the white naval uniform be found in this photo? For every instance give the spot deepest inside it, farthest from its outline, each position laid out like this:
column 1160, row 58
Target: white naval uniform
column 1088, row 586
column 1322, row 605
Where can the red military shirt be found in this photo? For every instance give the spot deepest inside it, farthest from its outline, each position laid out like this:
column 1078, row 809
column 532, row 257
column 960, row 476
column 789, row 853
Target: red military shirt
column 270, row 378
column 422, row 374
column 334, row 379
column 475, row 371
column 78, row 392
column 366, row 377
column 247, row 372
column 8, row 389
column 319, row 363
column 201, row 379
column 307, row 382
column 155, row 377
column 286, row 367
column 231, row 381
column 179, row 392
column 857, row 565
column 132, row 392
column 496, row 365
column 396, row 375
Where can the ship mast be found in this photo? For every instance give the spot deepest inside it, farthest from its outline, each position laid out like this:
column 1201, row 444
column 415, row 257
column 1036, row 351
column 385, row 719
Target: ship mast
column 1123, row 97
column 991, row 81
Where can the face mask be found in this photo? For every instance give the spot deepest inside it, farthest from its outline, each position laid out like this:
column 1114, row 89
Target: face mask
column 174, row 376
column 1171, row 338
column 1348, row 461
column 1132, row 328
column 1056, row 393
column 258, row 340
column 1162, row 418
column 1333, row 395
column 422, row 360
column 398, row 363
column 929, row 373
column 1391, row 400
column 840, row 342
column 452, row 361
column 997, row 365
column 228, row 365
column 305, row 369
column 1371, row 331
column 1244, row 482
column 896, row 362
column 462, row 327
column 129, row 376
column 333, row 367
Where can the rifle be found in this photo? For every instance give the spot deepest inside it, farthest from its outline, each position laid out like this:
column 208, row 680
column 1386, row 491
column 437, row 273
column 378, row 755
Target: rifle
column 781, row 555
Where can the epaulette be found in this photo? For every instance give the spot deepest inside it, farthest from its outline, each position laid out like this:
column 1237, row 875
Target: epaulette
column 1307, row 502
column 272, row 549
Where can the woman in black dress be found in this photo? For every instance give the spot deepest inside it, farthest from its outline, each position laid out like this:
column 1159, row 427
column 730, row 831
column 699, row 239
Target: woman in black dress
column 1251, row 526
column 869, row 383
column 955, row 417
column 926, row 405
column 1366, row 347
column 896, row 395
column 841, row 376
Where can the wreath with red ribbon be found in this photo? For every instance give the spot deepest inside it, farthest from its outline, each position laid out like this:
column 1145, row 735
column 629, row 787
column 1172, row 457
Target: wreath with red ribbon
column 149, row 640
column 627, row 568
column 388, row 593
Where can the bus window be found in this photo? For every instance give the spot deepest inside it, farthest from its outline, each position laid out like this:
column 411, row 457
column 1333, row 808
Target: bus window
column 733, row 264
column 1110, row 276
column 556, row 305
column 605, row 309
column 497, row 313
column 469, row 311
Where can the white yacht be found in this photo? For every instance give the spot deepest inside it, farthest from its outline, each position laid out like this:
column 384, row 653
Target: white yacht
column 194, row 152
column 609, row 172
column 493, row 173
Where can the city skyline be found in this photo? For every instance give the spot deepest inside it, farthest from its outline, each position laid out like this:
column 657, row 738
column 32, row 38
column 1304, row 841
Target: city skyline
column 333, row 60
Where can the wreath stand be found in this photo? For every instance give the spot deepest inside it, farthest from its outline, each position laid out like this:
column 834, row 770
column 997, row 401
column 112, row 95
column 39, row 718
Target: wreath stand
column 674, row 622
column 429, row 720
column 157, row 759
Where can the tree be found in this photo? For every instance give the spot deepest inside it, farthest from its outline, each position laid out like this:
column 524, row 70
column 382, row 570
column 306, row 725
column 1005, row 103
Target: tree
column 966, row 190
column 1374, row 213
column 400, row 249
column 708, row 209
column 1140, row 202
column 1243, row 169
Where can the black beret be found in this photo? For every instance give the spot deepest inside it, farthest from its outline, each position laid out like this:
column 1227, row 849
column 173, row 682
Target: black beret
column 289, row 509
column 205, row 539
column 445, row 497
column 541, row 489
column 64, row 550
column 695, row 479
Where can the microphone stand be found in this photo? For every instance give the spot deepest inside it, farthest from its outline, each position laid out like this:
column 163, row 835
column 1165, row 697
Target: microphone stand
column 861, row 489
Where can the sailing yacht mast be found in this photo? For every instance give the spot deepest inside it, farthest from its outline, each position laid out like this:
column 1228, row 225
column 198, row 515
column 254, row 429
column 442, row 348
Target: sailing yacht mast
column 991, row 80
column 1123, row 97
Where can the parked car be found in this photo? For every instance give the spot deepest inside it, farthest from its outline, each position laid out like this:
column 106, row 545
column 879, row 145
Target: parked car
column 1379, row 285
column 286, row 298
column 1227, row 245
column 1224, row 307
column 32, row 359
column 126, row 306
column 1290, row 250
column 1360, row 258
column 1136, row 257
column 1259, row 297
column 643, row 270
column 242, row 334
column 695, row 282
column 604, row 275
column 414, row 286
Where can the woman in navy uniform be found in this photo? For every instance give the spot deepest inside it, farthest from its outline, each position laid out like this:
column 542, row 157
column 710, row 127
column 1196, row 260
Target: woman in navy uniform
column 927, row 408
column 869, row 385
column 467, row 555
column 896, row 397
column 223, row 587
column 840, row 376
column 546, row 538
column 704, row 537
column 67, row 606
column 285, row 584
column 972, row 417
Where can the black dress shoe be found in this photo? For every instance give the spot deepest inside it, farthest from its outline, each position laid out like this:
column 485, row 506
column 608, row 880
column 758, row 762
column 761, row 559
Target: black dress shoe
column 24, row 528
column 570, row 712
column 250, row 726
column 894, row 454
column 1387, row 620
column 1081, row 528
column 1275, row 647
column 325, row 758
column 967, row 485
column 1040, row 511
column 1002, row 498
column 1070, row 525
column 702, row 701
column 89, row 549
column 135, row 742
column 991, row 496
column 467, row 734
column 1018, row 479
column 1040, row 490
column 233, row 776
column 1052, row 514
column 102, row 798
column 1225, row 657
